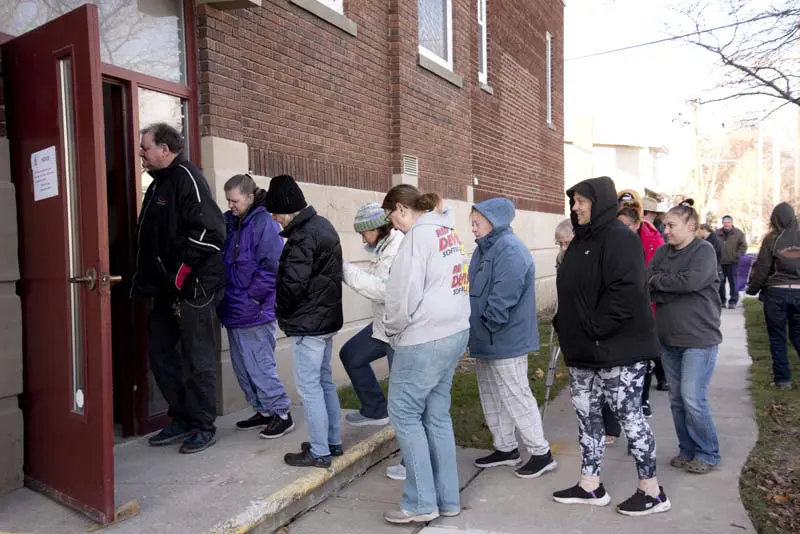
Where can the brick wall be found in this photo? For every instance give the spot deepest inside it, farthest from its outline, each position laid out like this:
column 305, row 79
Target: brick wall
column 333, row 109
column 515, row 152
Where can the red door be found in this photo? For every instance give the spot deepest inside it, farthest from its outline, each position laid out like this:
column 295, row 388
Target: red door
column 55, row 115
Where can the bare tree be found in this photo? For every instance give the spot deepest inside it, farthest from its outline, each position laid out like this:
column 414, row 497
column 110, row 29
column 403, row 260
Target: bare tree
column 756, row 44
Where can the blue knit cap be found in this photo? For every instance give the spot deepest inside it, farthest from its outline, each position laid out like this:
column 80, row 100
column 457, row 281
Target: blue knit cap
column 370, row 216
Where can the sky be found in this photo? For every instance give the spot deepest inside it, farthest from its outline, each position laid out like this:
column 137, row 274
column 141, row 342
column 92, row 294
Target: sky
column 645, row 90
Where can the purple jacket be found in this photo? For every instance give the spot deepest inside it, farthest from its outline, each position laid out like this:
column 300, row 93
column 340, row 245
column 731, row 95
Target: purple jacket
column 252, row 250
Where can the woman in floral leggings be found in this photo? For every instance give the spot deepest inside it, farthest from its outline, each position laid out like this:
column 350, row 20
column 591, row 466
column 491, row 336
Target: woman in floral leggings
column 607, row 334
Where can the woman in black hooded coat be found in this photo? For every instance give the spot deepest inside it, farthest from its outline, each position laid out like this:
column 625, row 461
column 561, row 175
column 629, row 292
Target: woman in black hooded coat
column 607, row 334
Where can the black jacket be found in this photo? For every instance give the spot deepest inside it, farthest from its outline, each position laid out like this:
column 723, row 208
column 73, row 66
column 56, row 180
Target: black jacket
column 604, row 317
column 181, row 232
column 309, row 294
column 716, row 242
column 778, row 260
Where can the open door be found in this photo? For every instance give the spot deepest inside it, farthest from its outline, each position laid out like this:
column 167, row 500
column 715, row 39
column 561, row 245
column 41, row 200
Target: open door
column 55, row 116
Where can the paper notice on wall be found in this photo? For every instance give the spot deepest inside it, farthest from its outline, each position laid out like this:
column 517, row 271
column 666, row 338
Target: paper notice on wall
column 45, row 174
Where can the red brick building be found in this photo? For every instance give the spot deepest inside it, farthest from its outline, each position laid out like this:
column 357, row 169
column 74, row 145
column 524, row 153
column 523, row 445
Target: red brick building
column 462, row 97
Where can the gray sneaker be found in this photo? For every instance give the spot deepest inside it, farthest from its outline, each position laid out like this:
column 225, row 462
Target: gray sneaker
column 396, row 472
column 356, row 419
column 401, row 516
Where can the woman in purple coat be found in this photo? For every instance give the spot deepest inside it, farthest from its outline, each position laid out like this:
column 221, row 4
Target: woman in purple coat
column 252, row 250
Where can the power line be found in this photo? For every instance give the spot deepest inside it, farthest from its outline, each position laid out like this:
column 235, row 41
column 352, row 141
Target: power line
column 676, row 37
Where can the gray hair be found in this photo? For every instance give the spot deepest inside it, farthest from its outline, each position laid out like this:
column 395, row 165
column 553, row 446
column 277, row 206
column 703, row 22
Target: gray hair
column 164, row 134
column 565, row 229
column 243, row 182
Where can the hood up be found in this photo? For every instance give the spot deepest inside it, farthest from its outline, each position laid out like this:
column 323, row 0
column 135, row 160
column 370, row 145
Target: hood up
column 783, row 217
column 603, row 194
column 499, row 211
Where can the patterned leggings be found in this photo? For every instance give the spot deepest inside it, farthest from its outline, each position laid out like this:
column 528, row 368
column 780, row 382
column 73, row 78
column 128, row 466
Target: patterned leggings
column 622, row 388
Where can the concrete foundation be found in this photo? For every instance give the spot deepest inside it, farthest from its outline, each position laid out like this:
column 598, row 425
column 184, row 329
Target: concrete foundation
column 11, row 429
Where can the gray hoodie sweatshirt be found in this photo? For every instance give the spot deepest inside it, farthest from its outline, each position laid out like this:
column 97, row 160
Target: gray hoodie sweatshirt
column 427, row 296
column 685, row 287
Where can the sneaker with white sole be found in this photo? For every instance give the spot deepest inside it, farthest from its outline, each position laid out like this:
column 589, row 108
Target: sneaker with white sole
column 498, row 458
column 537, row 466
column 642, row 504
column 401, row 516
column 450, row 513
column 577, row 495
column 356, row 419
column 396, row 472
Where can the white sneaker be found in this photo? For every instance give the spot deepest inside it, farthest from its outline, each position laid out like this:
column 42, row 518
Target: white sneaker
column 396, row 472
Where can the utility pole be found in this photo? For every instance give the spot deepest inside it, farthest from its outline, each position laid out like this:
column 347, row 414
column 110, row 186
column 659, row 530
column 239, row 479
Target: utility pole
column 796, row 189
column 698, row 166
column 776, row 165
column 760, row 193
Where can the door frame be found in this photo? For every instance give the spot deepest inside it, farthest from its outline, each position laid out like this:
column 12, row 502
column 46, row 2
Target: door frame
column 132, row 81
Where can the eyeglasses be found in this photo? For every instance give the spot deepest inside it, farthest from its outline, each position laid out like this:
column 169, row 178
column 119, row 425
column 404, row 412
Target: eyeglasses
column 562, row 244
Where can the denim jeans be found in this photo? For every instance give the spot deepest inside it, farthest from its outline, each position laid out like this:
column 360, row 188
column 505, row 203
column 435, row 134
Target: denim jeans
column 314, row 380
column 689, row 373
column 357, row 354
column 782, row 306
column 729, row 275
column 419, row 407
column 253, row 360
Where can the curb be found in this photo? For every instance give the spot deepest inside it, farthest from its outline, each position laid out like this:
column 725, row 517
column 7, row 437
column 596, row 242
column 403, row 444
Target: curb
column 265, row 515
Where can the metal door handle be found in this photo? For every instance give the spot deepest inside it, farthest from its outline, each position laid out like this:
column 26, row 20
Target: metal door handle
column 90, row 279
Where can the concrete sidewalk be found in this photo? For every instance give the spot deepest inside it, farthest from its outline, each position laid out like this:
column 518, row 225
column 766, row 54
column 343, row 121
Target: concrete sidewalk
column 496, row 501
column 234, row 486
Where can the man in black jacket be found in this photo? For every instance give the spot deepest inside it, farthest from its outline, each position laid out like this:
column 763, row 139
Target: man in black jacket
column 607, row 334
column 309, row 309
column 180, row 271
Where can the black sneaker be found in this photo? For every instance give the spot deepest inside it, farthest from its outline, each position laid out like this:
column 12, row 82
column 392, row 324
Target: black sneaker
column 643, row 504
column 306, row 459
column 278, row 427
column 336, row 450
column 646, row 410
column 256, row 421
column 731, row 305
column 537, row 466
column 171, row 433
column 577, row 495
column 498, row 458
column 199, row 441
column 662, row 386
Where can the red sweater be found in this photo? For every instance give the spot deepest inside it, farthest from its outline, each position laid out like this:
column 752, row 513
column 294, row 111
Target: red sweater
column 651, row 240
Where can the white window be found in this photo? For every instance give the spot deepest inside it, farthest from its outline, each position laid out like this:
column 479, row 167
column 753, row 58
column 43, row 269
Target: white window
column 483, row 62
column 436, row 31
column 336, row 5
column 549, row 67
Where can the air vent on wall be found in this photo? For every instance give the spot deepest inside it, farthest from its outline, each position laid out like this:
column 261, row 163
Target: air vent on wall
column 410, row 166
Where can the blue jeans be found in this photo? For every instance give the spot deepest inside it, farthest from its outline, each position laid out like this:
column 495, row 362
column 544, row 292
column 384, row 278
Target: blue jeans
column 314, row 380
column 419, row 407
column 782, row 306
column 253, row 360
column 689, row 373
column 357, row 354
column 729, row 275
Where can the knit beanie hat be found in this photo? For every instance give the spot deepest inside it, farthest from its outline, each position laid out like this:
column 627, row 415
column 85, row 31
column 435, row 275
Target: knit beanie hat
column 370, row 216
column 284, row 196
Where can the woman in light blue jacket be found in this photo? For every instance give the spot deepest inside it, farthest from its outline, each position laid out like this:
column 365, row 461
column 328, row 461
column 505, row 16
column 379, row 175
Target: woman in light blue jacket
column 503, row 330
